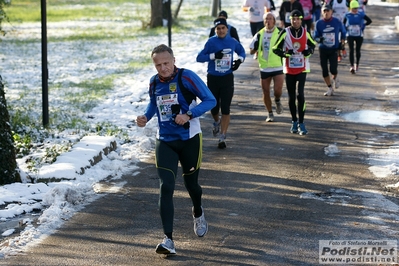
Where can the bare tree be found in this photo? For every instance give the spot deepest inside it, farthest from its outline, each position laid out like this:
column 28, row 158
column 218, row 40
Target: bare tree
column 156, row 13
column 178, row 8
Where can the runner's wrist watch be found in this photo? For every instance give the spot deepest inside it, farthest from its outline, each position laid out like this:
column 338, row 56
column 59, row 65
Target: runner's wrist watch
column 190, row 114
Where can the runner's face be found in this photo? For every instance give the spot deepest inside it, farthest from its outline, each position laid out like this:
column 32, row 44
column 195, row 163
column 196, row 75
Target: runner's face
column 269, row 21
column 221, row 31
column 164, row 63
column 296, row 22
column 354, row 10
column 327, row 14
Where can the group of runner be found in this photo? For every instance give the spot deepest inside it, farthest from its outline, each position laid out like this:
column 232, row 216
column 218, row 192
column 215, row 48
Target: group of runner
column 280, row 52
column 295, row 40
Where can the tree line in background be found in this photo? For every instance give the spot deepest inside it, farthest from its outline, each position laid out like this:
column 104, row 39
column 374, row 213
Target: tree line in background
column 161, row 10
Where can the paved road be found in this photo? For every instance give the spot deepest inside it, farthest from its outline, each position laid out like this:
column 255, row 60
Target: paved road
column 271, row 195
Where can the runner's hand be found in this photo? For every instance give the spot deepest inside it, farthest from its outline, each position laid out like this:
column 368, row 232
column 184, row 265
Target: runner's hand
column 219, row 55
column 319, row 39
column 236, row 64
column 307, row 52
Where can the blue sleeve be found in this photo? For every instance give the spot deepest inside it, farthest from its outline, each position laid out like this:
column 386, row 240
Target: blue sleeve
column 204, row 55
column 152, row 105
column 195, row 84
column 343, row 31
column 317, row 32
column 240, row 50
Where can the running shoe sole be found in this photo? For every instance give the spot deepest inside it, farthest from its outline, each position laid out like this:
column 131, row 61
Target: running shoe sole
column 162, row 250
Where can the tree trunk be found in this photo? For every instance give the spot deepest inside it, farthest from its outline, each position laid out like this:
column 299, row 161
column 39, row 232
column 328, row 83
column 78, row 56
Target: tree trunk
column 156, row 14
column 214, row 8
column 8, row 165
column 178, row 9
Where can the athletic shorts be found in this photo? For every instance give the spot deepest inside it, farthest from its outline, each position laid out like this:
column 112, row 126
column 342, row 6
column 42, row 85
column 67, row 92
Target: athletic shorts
column 266, row 75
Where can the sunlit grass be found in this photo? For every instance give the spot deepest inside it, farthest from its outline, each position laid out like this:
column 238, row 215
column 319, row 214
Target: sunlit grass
column 30, row 11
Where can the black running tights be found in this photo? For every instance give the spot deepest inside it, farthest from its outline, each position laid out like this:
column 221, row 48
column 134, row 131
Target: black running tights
column 168, row 154
column 351, row 42
column 291, row 82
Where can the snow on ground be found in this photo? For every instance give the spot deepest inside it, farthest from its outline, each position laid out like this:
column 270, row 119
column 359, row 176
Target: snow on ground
column 74, row 62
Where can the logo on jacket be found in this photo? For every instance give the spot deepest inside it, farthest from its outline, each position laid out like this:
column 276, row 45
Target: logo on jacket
column 172, row 87
column 296, row 46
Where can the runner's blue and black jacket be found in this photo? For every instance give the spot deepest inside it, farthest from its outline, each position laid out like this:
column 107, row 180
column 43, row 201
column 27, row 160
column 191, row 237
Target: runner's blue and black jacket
column 329, row 30
column 169, row 93
column 223, row 66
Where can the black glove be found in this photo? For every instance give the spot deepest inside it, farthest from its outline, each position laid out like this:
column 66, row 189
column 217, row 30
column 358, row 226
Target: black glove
column 236, row 64
column 307, row 52
column 341, row 46
column 279, row 52
column 320, row 39
column 219, row 55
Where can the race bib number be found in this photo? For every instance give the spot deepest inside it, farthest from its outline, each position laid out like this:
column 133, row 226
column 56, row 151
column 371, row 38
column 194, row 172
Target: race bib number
column 354, row 30
column 329, row 39
column 266, row 45
column 224, row 64
column 164, row 104
column 256, row 11
column 306, row 12
column 287, row 17
column 296, row 61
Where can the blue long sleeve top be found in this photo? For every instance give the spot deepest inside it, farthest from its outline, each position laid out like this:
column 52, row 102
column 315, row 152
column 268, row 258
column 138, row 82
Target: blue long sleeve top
column 356, row 23
column 229, row 45
column 329, row 30
column 169, row 93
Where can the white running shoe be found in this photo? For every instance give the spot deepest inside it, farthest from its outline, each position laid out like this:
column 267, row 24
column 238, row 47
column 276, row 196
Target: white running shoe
column 329, row 92
column 270, row 118
column 167, row 247
column 200, row 224
column 336, row 83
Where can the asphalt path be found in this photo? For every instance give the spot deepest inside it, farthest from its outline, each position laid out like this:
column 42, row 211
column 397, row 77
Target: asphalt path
column 270, row 196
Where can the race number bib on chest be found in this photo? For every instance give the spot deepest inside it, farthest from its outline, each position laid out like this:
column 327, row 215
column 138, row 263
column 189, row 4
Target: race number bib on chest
column 224, row 64
column 354, row 30
column 296, row 61
column 329, row 39
column 164, row 103
column 287, row 17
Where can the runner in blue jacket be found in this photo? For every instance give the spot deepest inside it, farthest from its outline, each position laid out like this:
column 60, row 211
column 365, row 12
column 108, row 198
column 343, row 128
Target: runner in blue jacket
column 173, row 97
column 355, row 22
column 219, row 52
column 330, row 34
